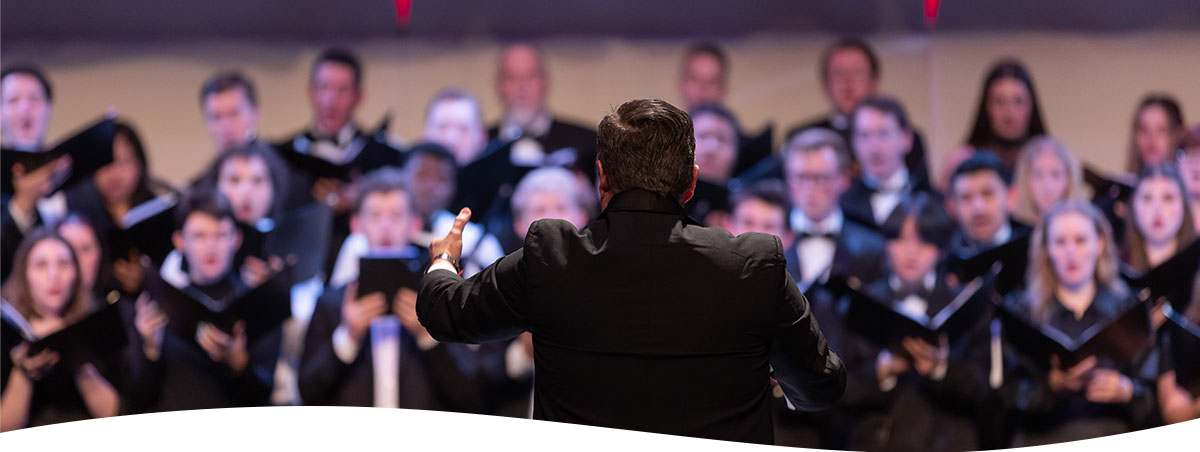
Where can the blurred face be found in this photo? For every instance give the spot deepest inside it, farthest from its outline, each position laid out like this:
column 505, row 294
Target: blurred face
column 911, row 258
column 26, row 112
column 521, row 82
column 1048, row 180
column 455, row 124
column 231, row 119
column 1073, row 246
column 333, row 95
column 716, row 147
column 209, row 245
column 814, row 182
column 87, row 250
column 116, row 181
column 1189, row 168
column 1158, row 206
column 548, row 204
column 848, row 79
column 880, row 144
column 432, row 184
column 386, row 219
column 756, row 215
column 51, row 276
column 1009, row 108
column 1154, row 135
column 981, row 203
column 702, row 81
column 246, row 182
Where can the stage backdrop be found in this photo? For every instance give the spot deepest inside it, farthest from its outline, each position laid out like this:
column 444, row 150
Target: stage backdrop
column 1088, row 83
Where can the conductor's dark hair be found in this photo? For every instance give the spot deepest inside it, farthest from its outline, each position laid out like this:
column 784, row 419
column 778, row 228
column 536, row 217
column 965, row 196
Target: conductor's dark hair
column 720, row 111
column 933, row 225
column 710, row 49
column 983, row 161
column 203, row 199
column 32, row 71
column 770, row 191
column 982, row 134
column 850, row 43
column 647, row 144
column 228, row 80
column 883, row 103
column 340, row 56
column 382, row 180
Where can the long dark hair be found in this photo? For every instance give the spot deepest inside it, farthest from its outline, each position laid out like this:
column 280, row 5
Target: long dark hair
column 1174, row 116
column 1135, row 242
column 982, row 135
column 142, row 192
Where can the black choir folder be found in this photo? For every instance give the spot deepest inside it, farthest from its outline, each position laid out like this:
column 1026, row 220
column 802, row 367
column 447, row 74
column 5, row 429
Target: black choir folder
column 96, row 337
column 878, row 321
column 1173, row 279
column 147, row 229
column 1121, row 337
column 90, row 149
column 262, row 308
column 387, row 273
column 1013, row 258
column 1185, row 349
column 300, row 235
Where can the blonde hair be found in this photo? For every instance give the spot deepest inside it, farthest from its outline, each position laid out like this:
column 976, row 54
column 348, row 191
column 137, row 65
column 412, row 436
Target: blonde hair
column 1026, row 208
column 1042, row 279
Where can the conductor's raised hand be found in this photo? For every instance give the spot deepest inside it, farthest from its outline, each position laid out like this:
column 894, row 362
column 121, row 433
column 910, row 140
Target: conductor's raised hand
column 451, row 244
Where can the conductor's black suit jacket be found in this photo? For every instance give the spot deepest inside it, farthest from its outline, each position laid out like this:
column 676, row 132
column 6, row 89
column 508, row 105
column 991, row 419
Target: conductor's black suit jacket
column 645, row 320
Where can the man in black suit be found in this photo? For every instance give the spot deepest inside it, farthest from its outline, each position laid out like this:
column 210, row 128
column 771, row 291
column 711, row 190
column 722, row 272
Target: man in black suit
column 28, row 104
column 828, row 243
column 357, row 354
column 881, row 137
column 850, row 71
column 333, row 153
column 644, row 320
column 981, row 200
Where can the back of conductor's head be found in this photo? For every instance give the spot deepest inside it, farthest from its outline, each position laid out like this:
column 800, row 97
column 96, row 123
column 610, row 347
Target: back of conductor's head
column 647, row 144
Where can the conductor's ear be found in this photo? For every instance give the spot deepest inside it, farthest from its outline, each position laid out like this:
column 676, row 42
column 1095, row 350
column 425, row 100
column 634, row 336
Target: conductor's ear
column 691, row 190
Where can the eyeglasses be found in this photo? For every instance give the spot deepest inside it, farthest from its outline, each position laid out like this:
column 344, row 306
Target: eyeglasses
column 815, row 178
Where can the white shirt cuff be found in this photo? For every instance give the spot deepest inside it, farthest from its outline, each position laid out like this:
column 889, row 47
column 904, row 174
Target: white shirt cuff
column 442, row 265
column 344, row 346
column 23, row 220
column 517, row 363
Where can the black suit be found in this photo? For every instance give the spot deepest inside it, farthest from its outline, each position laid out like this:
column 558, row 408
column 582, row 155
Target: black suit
column 441, row 378
column 856, row 201
column 11, row 236
column 859, row 252
column 646, row 321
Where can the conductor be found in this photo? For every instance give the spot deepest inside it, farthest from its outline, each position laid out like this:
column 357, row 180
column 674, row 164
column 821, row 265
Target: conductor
column 644, row 320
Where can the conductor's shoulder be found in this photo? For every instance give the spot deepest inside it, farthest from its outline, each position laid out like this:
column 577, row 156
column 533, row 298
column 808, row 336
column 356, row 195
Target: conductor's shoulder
column 757, row 245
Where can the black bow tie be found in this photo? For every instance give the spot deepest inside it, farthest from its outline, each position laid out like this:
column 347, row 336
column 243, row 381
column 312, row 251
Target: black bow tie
column 813, row 235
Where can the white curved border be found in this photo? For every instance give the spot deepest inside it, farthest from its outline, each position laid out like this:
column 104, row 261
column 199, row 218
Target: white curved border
column 348, row 429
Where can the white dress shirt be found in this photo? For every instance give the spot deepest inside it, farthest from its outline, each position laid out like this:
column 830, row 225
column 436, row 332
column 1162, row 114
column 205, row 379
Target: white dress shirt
column 816, row 253
column 888, row 194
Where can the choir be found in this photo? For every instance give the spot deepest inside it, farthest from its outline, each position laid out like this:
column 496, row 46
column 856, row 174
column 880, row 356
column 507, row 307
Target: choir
column 1019, row 297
